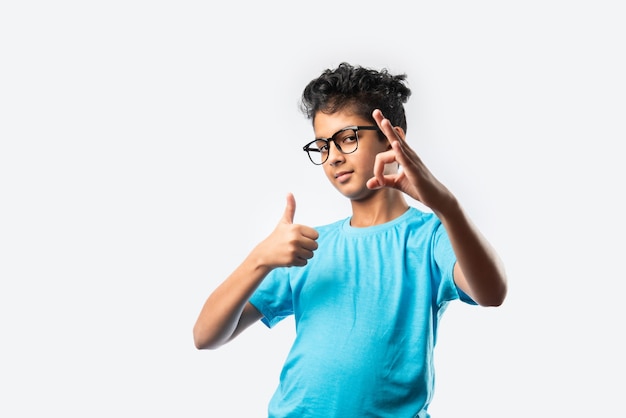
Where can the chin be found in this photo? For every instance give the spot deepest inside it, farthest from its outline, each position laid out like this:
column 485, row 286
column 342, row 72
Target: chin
column 357, row 195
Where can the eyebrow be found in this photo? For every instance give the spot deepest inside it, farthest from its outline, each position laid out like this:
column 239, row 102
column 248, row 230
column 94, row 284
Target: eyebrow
column 354, row 127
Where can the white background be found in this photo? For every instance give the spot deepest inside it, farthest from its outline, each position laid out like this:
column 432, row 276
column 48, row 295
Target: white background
column 146, row 147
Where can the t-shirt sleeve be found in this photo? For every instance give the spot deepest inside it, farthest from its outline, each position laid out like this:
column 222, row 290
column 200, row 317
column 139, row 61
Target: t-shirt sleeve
column 445, row 259
column 273, row 297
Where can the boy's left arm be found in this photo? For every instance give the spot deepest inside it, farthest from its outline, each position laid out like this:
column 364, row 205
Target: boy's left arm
column 479, row 272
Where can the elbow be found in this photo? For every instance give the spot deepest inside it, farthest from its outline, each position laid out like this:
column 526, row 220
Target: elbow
column 198, row 342
column 495, row 297
column 492, row 303
column 202, row 341
column 199, row 345
column 204, row 345
column 206, row 339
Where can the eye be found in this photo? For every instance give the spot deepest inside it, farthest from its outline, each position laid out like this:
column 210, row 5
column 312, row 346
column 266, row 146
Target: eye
column 349, row 139
column 322, row 146
column 346, row 138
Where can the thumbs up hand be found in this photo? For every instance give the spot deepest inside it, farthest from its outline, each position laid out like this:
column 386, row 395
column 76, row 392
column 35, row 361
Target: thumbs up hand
column 289, row 244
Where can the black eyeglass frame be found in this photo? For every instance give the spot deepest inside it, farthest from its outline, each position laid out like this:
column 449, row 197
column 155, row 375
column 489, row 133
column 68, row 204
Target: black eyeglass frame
column 356, row 128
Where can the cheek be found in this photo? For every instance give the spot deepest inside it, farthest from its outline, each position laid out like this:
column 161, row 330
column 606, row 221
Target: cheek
column 327, row 172
column 367, row 161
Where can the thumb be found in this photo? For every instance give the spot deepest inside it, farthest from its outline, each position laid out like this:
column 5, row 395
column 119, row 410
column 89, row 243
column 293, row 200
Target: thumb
column 290, row 209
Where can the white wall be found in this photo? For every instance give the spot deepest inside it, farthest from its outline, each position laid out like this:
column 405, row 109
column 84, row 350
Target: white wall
column 145, row 147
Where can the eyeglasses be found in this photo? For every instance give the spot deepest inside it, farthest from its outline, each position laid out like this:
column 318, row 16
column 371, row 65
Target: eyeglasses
column 346, row 140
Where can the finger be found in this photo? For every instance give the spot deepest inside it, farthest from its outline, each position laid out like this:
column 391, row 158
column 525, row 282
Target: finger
column 304, row 253
column 385, row 126
column 405, row 155
column 378, row 116
column 309, row 238
column 290, row 209
column 373, row 184
column 310, row 233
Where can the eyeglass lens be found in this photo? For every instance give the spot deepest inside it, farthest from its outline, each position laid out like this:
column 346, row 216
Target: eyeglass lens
column 346, row 141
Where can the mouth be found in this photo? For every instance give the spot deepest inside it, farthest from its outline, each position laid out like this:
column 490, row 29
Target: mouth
column 343, row 176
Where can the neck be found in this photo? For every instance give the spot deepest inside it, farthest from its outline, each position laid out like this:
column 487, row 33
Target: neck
column 379, row 208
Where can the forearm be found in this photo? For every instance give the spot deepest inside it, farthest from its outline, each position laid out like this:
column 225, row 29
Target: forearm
column 482, row 274
column 224, row 315
column 222, row 311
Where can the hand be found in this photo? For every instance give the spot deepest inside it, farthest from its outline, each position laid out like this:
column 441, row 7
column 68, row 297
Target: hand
column 413, row 178
column 289, row 244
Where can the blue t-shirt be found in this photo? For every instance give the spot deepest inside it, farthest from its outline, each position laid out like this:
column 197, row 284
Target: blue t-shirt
column 366, row 311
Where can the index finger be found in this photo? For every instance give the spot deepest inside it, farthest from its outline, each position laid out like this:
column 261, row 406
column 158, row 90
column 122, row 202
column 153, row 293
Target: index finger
column 385, row 126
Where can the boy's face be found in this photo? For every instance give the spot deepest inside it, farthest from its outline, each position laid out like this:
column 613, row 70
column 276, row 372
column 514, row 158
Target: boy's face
column 349, row 172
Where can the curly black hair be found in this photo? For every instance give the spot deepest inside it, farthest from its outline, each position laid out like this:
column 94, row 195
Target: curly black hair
column 359, row 89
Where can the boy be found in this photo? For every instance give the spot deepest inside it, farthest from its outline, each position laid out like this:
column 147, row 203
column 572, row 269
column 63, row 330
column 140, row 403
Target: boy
column 367, row 291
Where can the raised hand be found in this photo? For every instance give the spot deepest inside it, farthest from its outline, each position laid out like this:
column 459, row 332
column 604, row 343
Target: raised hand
column 289, row 244
column 414, row 178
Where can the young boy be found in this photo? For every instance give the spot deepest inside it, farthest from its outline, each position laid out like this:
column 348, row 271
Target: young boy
column 367, row 291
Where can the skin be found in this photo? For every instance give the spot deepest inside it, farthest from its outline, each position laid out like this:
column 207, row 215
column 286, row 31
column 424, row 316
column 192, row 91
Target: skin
column 376, row 188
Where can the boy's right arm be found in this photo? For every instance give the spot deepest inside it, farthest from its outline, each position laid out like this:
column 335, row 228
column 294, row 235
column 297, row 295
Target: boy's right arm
column 226, row 311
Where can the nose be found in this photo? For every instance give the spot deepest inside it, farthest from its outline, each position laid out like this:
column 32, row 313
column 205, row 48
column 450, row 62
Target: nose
column 334, row 155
